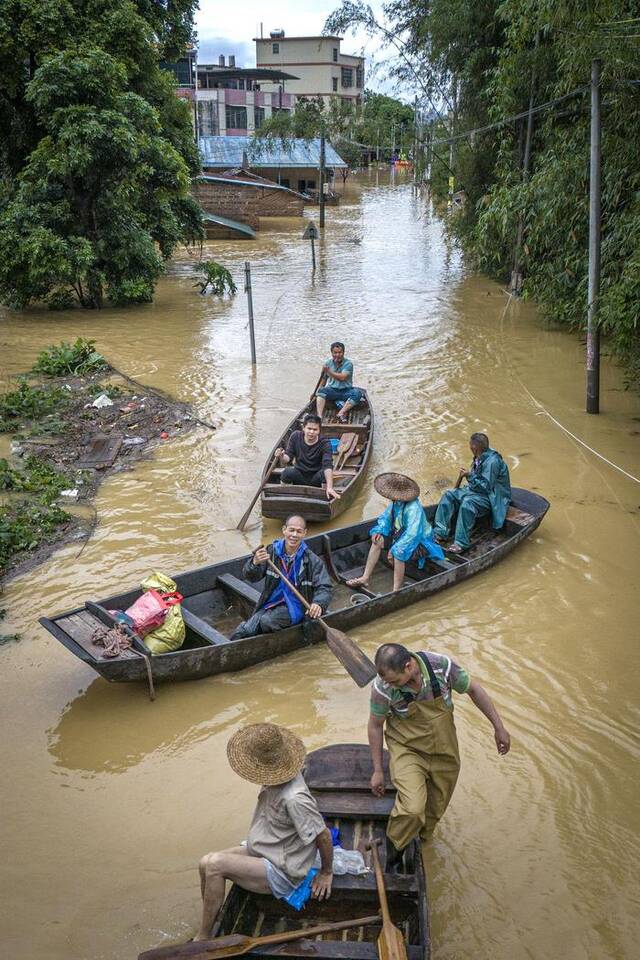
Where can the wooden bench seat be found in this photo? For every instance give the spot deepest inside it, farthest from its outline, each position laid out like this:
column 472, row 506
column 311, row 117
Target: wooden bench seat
column 243, row 589
column 202, row 628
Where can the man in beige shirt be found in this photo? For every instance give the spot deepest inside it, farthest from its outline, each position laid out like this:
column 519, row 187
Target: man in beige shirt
column 286, row 832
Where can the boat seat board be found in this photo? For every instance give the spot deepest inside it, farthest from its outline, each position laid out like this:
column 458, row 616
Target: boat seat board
column 240, row 587
column 354, row 805
column 518, row 516
column 332, row 950
column 204, row 630
column 81, row 627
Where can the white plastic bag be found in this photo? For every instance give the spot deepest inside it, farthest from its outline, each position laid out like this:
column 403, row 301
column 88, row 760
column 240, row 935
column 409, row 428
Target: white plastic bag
column 346, row 861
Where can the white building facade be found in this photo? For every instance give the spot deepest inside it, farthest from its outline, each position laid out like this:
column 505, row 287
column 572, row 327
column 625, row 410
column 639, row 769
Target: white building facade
column 322, row 70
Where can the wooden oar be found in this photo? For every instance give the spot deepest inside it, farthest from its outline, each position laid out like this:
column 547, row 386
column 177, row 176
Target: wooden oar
column 346, row 650
column 347, row 442
column 391, row 945
column 245, row 516
column 238, row 943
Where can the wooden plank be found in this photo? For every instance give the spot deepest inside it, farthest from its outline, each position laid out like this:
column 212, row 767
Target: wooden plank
column 519, row 516
column 202, row 628
column 81, row 627
column 354, row 805
column 244, row 590
column 102, row 453
column 332, row 950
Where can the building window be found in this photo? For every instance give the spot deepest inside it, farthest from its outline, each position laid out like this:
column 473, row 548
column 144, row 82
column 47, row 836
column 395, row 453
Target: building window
column 360, row 77
column 236, row 117
column 347, row 76
column 275, row 48
column 240, row 84
column 335, row 54
column 208, row 118
column 334, row 81
column 259, row 117
column 280, row 110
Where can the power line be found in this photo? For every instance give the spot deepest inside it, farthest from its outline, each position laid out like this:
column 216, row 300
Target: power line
column 508, row 120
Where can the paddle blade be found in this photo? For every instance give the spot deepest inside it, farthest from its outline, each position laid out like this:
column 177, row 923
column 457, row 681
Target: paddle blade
column 347, row 651
column 231, row 946
column 391, row 945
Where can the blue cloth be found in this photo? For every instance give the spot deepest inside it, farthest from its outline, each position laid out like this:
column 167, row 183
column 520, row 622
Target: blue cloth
column 345, row 367
column 490, row 478
column 341, row 394
column 410, row 522
column 298, row 897
column 282, row 594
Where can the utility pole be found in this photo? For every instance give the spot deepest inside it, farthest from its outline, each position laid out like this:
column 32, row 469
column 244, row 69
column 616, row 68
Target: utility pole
column 393, row 137
column 247, row 288
column 415, row 139
column 378, row 146
column 593, row 330
column 452, row 182
column 321, row 197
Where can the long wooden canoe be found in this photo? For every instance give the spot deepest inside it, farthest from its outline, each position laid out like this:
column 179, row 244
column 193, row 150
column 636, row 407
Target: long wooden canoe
column 338, row 777
column 216, row 599
column 281, row 499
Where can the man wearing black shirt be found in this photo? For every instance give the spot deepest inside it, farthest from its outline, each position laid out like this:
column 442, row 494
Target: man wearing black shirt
column 313, row 457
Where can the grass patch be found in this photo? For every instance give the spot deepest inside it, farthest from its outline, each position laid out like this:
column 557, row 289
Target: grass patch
column 29, row 522
column 29, row 403
column 75, row 359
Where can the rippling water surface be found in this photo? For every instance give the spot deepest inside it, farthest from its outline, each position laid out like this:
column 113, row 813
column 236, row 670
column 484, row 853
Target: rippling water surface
column 107, row 801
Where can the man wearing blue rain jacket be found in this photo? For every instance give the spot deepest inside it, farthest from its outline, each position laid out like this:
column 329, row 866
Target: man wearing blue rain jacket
column 277, row 606
column 403, row 528
column 488, row 491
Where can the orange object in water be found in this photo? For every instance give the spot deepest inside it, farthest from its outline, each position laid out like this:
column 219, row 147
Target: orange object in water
column 164, row 435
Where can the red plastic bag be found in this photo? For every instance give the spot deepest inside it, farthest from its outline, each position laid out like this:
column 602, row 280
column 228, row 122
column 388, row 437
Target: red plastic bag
column 150, row 610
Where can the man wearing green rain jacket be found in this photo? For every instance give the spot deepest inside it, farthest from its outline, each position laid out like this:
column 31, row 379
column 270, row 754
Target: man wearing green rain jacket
column 488, row 491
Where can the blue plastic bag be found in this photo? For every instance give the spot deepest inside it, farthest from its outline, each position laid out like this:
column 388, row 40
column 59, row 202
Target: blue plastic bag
column 298, row 897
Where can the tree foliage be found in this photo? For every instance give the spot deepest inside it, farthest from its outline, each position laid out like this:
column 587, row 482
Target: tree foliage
column 479, row 61
column 96, row 150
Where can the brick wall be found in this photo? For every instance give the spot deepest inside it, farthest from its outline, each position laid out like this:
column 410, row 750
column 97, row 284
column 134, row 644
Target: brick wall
column 246, row 204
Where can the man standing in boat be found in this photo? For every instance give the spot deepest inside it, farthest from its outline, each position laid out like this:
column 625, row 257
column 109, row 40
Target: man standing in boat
column 313, row 457
column 277, row 606
column 338, row 386
column 287, row 831
column 403, row 529
column 488, row 492
column 411, row 701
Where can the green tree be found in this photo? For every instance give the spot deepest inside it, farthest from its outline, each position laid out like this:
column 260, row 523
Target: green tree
column 96, row 151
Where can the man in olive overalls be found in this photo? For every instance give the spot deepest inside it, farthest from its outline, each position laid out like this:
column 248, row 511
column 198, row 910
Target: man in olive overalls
column 412, row 695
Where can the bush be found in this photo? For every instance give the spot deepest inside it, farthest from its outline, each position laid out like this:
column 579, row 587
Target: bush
column 29, row 403
column 77, row 358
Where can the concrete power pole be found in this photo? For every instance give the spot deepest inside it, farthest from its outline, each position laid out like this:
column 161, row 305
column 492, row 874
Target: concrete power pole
column 321, row 197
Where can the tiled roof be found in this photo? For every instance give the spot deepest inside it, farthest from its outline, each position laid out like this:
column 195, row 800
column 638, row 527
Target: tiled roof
column 227, row 152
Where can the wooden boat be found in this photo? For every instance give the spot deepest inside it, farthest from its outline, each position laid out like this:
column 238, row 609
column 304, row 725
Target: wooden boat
column 338, row 777
column 216, row 599
column 281, row 499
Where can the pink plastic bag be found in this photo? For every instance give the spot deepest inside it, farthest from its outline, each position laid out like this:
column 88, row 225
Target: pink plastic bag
column 150, row 610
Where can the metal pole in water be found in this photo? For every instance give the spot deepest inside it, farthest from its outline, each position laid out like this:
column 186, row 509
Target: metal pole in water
column 313, row 252
column 321, row 199
column 593, row 331
column 247, row 287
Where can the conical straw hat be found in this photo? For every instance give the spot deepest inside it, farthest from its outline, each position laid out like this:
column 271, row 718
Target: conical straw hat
column 266, row 753
column 396, row 486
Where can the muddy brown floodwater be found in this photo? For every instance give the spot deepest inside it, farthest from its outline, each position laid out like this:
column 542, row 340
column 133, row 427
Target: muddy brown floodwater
column 107, row 801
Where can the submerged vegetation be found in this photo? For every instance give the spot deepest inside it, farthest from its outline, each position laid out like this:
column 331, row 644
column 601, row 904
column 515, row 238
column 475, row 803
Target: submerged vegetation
column 77, row 359
column 479, row 63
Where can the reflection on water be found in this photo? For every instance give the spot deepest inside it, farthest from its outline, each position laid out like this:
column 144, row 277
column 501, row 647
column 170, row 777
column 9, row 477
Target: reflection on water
column 108, row 800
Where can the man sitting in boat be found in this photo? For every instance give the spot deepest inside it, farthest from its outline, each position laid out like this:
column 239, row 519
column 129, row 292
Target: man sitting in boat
column 286, row 833
column 412, row 702
column 277, row 606
column 403, row 529
column 338, row 386
column 488, row 491
column 313, row 457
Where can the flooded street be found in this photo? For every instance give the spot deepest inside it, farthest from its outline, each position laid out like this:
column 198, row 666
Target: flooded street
column 108, row 801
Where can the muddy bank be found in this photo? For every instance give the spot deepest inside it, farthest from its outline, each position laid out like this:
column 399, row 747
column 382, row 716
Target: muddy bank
column 67, row 434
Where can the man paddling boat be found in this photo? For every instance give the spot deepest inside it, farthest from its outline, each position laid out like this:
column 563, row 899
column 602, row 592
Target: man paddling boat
column 488, row 492
column 412, row 702
column 403, row 529
column 312, row 457
column 277, row 606
column 287, row 830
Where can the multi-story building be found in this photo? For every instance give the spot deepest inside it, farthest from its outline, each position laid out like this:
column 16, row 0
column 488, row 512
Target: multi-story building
column 322, row 69
column 232, row 102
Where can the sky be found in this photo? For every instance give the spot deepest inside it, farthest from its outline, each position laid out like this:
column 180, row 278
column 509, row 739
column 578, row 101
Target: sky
column 225, row 27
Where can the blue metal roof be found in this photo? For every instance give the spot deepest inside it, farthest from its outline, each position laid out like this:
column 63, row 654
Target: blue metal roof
column 225, row 152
